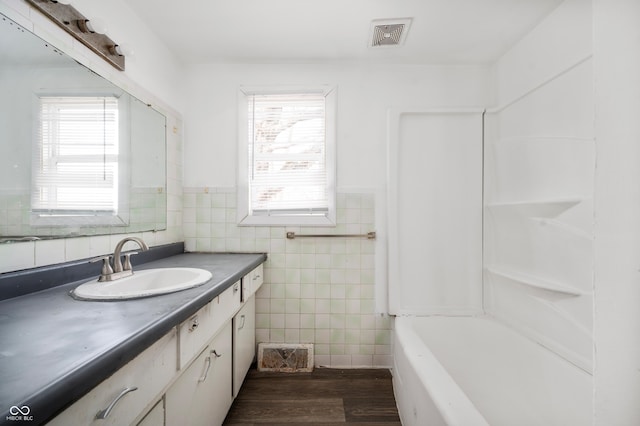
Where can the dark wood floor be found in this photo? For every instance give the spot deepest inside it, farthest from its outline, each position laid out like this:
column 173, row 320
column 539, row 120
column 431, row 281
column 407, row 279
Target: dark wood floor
column 325, row 397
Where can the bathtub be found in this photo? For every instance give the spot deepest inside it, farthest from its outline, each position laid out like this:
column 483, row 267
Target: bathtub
column 468, row 371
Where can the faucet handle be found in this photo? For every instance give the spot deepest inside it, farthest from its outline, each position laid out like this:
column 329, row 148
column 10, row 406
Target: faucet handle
column 127, row 261
column 106, row 266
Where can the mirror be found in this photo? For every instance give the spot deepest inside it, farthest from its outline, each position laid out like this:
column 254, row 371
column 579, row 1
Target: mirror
column 78, row 155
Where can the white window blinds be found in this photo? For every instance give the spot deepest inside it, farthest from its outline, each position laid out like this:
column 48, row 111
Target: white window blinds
column 75, row 163
column 287, row 154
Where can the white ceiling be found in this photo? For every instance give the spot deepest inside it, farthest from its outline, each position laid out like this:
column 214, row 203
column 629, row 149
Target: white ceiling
column 442, row 31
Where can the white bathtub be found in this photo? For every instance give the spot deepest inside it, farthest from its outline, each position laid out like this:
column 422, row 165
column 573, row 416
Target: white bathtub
column 467, row 371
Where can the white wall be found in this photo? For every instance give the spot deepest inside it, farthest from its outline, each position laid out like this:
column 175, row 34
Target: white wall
column 152, row 76
column 560, row 41
column 539, row 186
column 617, row 207
column 152, row 73
column 435, row 212
column 152, row 66
column 330, row 292
column 365, row 92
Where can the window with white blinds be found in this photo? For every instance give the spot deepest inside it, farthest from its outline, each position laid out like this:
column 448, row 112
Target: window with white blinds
column 290, row 161
column 75, row 161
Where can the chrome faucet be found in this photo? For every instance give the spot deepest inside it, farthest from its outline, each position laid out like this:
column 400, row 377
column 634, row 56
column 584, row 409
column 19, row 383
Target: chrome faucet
column 112, row 266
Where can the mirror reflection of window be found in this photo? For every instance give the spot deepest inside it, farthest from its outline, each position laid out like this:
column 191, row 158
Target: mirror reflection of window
column 75, row 163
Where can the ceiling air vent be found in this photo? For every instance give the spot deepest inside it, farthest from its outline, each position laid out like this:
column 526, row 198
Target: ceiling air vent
column 389, row 32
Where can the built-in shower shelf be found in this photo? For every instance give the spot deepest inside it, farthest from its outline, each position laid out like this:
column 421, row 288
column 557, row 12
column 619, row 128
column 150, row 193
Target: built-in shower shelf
column 538, row 208
column 543, row 221
column 532, row 280
column 544, row 141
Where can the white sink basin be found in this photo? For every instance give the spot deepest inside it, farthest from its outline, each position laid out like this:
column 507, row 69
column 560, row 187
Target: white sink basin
column 145, row 283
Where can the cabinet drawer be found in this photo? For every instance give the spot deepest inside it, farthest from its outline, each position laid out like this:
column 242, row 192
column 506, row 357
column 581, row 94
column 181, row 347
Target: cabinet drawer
column 226, row 305
column 252, row 282
column 202, row 394
column 149, row 373
column 197, row 331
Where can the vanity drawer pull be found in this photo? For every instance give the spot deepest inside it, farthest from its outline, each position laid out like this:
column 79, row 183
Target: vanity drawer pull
column 256, row 277
column 241, row 326
column 102, row 414
column 236, row 287
column 194, row 324
column 207, row 362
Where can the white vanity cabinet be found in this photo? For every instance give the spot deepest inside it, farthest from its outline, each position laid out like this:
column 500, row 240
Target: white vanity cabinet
column 202, row 393
column 188, row 377
column 125, row 395
column 244, row 342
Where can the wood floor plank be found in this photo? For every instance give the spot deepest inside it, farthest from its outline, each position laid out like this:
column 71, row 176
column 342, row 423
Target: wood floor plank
column 325, row 397
column 290, row 388
column 371, row 409
column 333, row 373
column 288, row 411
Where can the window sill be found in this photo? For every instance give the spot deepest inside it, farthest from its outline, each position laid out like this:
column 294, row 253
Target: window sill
column 285, row 220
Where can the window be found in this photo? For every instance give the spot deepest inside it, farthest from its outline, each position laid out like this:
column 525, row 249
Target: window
column 287, row 157
column 75, row 160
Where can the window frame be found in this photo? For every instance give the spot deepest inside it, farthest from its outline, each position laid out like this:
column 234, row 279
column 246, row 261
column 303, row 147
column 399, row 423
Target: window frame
column 245, row 216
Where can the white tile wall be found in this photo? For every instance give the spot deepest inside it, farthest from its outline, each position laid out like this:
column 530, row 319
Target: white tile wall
column 316, row 290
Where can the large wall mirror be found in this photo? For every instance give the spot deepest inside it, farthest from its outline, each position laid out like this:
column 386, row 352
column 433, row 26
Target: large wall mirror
column 78, row 155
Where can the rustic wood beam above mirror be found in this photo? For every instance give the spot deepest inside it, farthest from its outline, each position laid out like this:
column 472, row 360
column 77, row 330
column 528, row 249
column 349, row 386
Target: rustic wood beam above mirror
column 72, row 21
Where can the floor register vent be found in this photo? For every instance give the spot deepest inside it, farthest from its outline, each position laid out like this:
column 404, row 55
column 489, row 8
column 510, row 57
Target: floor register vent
column 284, row 357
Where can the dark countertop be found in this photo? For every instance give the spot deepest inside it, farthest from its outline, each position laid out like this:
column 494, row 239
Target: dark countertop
column 54, row 349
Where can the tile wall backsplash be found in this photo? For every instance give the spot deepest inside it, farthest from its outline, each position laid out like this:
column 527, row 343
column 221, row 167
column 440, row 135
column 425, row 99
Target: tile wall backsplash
column 316, row 290
column 147, row 210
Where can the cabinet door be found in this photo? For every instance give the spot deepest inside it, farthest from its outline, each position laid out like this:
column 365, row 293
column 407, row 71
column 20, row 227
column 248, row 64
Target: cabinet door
column 202, row 394
column 155, row 416
column 244, row 342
